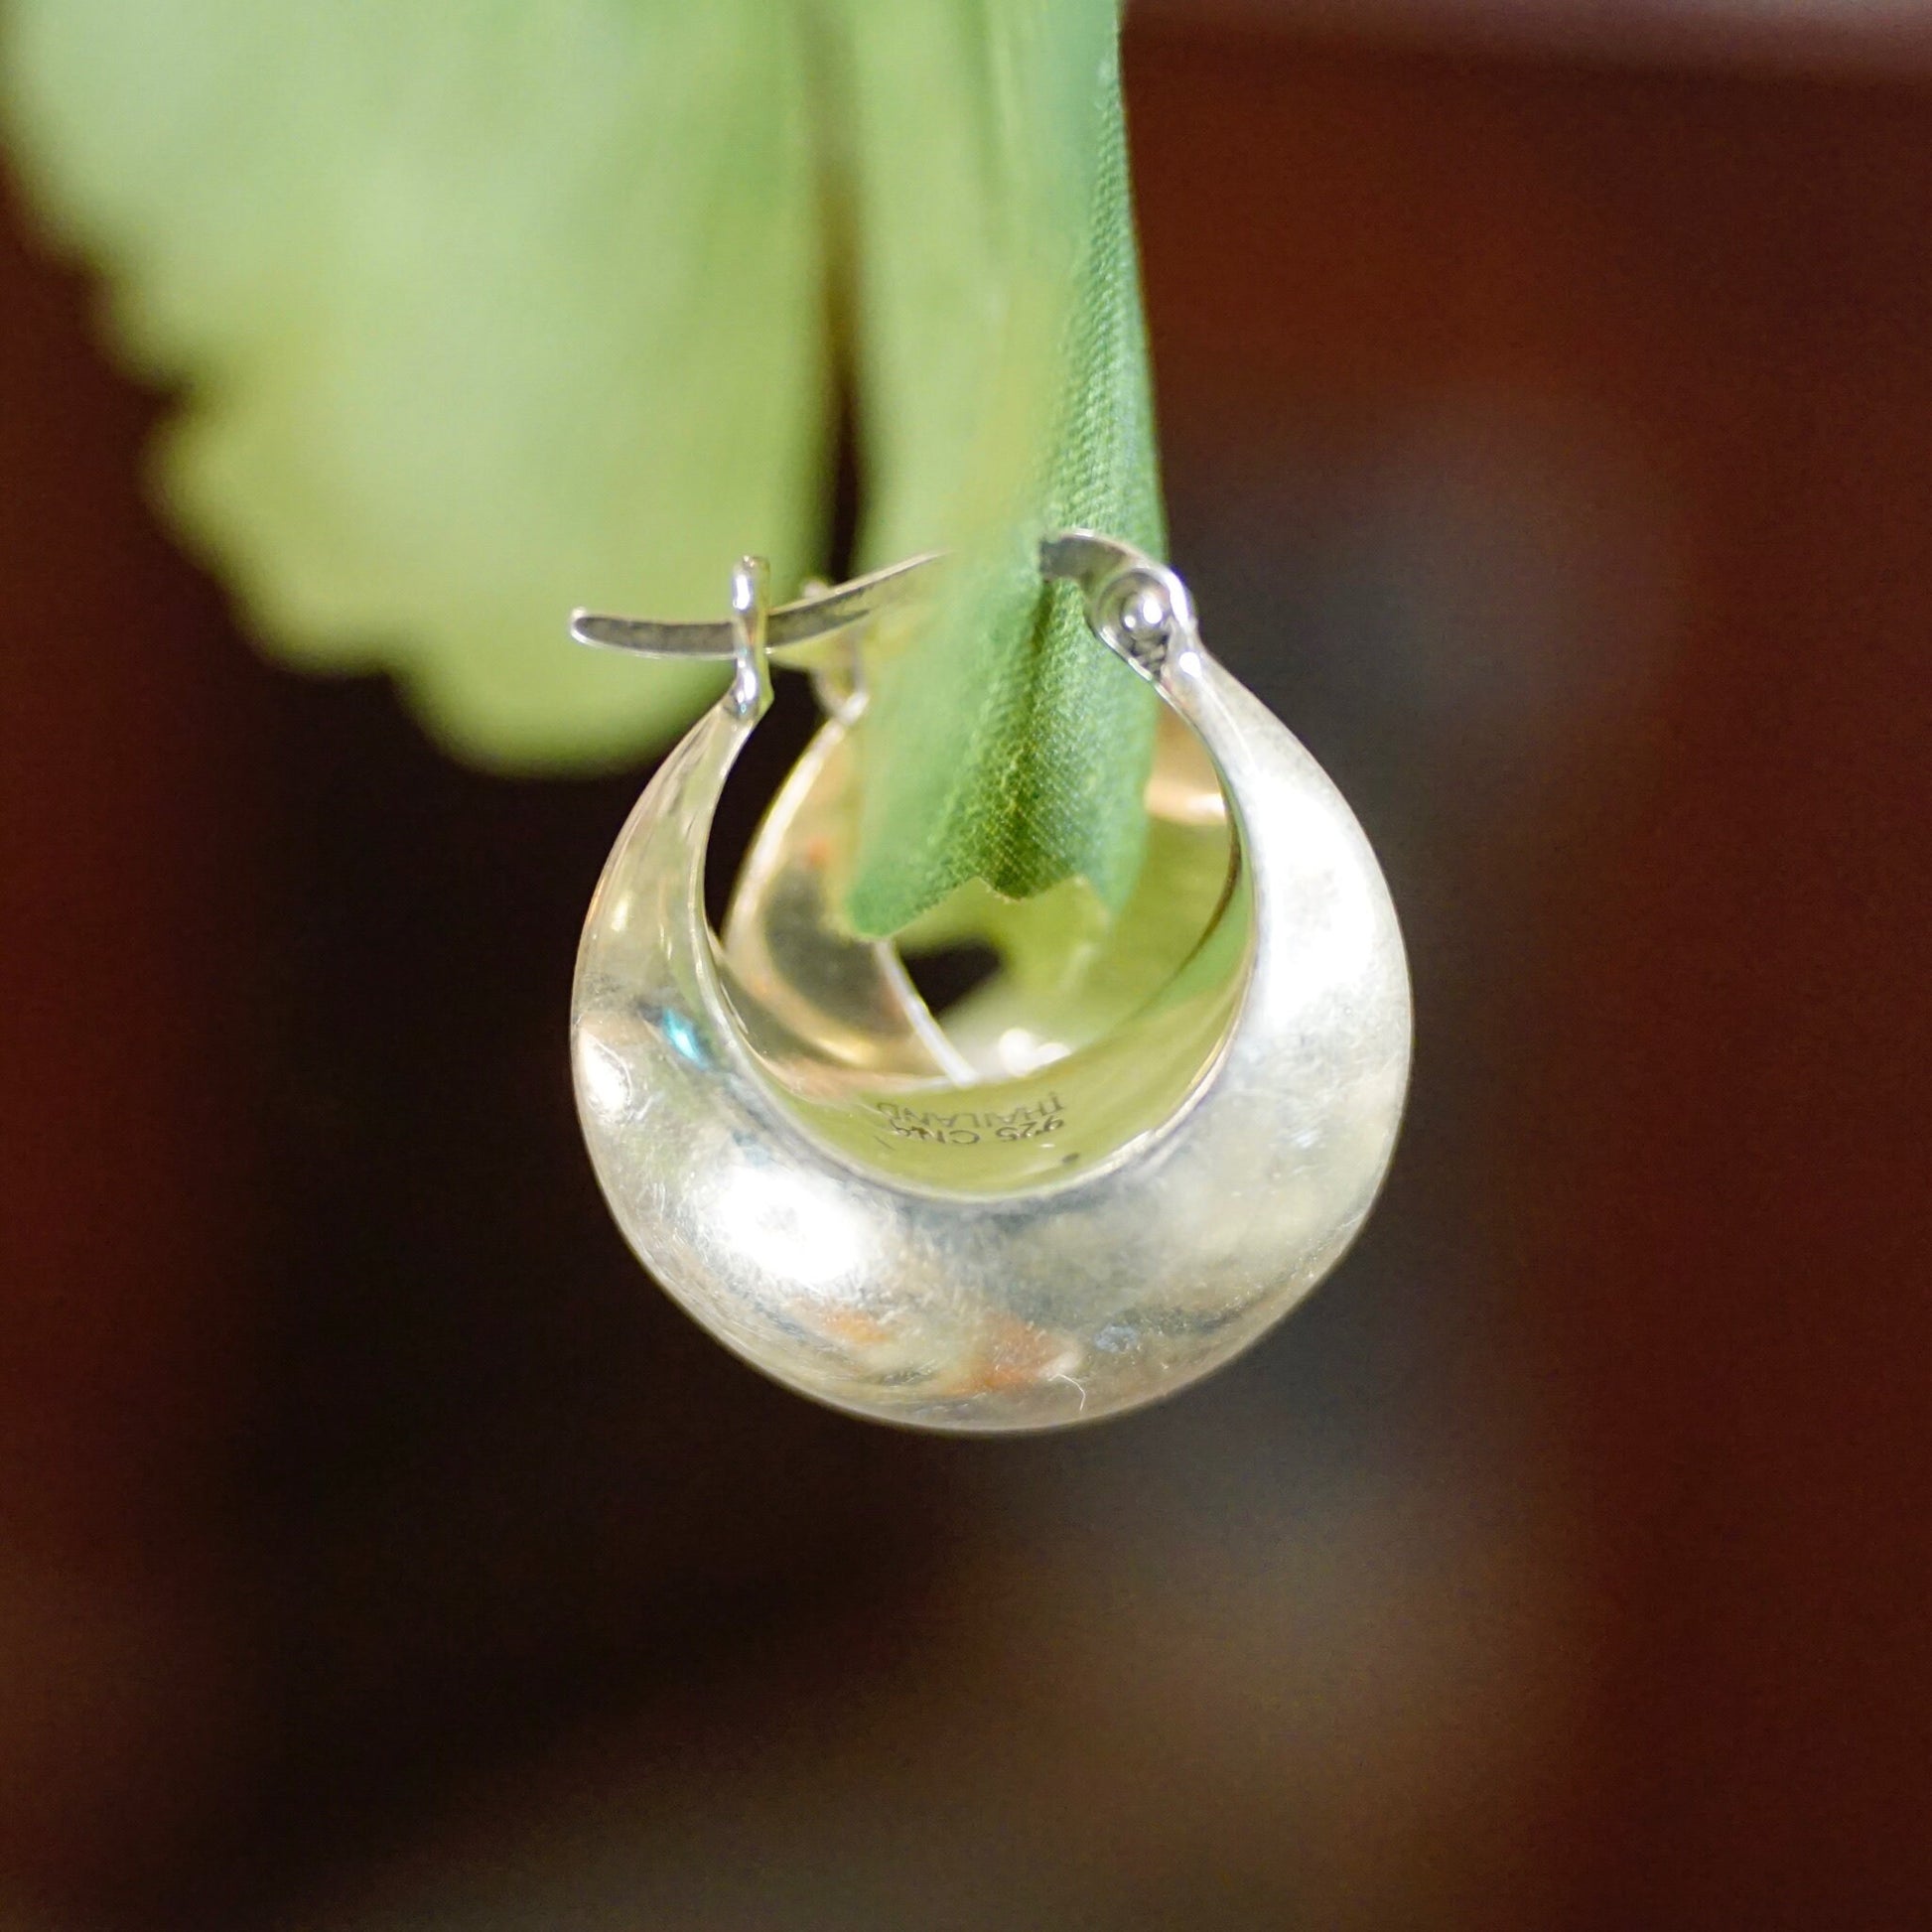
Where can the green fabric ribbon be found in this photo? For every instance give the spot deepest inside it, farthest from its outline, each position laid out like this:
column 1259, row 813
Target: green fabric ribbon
column 1005, row 745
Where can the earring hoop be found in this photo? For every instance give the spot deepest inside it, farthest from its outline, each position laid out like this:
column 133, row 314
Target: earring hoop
column 849, row 1215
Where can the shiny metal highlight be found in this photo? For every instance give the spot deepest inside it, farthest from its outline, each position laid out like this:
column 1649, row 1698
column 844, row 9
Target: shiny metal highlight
column 816, row 1176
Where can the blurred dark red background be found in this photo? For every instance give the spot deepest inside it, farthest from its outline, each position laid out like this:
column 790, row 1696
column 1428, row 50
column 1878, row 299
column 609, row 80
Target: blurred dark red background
column 1551, row 441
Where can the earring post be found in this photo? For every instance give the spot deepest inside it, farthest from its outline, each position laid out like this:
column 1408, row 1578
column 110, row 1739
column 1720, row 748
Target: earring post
column 809, row 620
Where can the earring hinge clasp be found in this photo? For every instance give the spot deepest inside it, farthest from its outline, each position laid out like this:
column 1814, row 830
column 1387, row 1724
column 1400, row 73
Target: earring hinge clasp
column 1135, row 606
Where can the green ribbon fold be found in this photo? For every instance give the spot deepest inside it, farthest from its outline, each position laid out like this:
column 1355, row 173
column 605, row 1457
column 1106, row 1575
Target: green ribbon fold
column 1004, row 391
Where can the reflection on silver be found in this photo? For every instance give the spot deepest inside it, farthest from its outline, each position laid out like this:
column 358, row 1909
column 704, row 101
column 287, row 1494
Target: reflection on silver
column 791, row 1145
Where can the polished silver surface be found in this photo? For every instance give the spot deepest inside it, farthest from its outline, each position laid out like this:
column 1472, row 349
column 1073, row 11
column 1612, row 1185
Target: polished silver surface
column 836, row 1199
column 855, row 1015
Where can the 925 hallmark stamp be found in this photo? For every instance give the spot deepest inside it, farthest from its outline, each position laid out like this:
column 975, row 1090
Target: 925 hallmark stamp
column 968, row 1127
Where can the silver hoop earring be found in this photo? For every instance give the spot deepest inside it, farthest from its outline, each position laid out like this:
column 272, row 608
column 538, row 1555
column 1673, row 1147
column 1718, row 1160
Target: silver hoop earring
column 882, row 1219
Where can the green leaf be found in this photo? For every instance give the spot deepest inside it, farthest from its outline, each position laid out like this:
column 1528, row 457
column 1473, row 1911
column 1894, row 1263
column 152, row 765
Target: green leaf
column 483, row 311
column 1004, row 391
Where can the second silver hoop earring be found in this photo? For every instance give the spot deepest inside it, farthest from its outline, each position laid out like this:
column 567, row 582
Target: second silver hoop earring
column 912, row 1229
